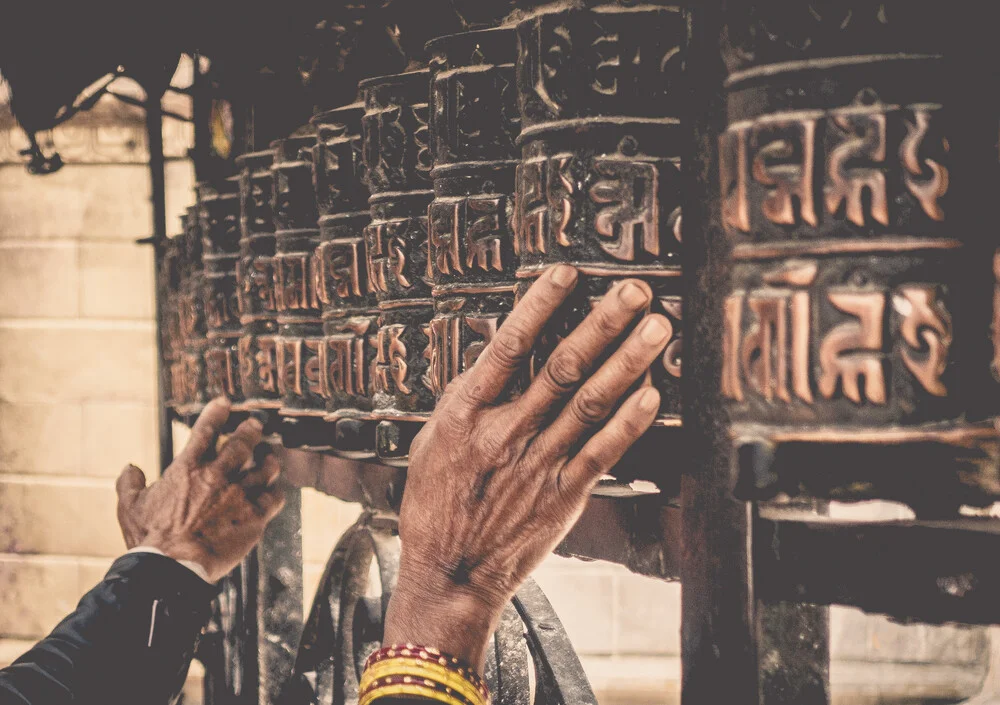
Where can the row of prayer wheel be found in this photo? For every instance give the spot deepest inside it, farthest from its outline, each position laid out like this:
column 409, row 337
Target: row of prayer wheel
column 841, row 277
column 348, row 273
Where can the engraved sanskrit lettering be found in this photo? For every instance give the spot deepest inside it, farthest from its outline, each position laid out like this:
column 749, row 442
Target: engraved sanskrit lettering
column 926, row 178
column 290, row 366
column 339, row 260
column 296, row 283
column 632, row 188
column 486, row 328
column 442, row 353
column 784, row 161
column 926, row 329
column 389, row 368
column 221, row 377
column 483, row 236
column 852, row 351
column 855, row 163
column 345, row 360
column 529, row 235
column 560, row 189
column 443, row 218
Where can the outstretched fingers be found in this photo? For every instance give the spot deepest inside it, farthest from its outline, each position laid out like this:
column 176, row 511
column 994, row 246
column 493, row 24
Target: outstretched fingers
column 608, row 445
column 574, row 357
column 238, row 448
column 599, row 395
column 512, row 343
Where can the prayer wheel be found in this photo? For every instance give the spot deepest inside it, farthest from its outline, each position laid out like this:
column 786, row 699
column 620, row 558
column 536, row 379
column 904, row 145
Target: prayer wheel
column 190, row 369
column 474, row 123
column 255, row 284
column 598, row 185
column 220, row 213
column 858, row 312
column 398, row 162
column 349, row 308
column 297, row 290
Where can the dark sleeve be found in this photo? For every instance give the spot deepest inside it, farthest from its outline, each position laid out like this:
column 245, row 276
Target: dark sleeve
column 130, row 640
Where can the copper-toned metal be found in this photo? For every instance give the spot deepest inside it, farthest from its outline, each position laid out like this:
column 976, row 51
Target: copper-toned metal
column 858, row 182
column 349, row 308
column 188, row 373
column 598, row 185
column 297, row 288
column 168, row 289
column 398, row 160
column 474, row 123
column 258, row 350
column 220, row 219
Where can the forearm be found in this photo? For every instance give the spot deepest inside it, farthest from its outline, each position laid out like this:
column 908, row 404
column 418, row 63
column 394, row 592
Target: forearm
column 130, row 639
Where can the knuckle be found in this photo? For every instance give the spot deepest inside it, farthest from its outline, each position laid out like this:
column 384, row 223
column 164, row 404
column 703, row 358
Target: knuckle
column 564, row 369
column 509, row 345
column 589, row 406
column 591, row 463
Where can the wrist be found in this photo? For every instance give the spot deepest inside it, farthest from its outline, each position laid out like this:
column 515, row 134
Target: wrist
column 185, row 552
column 454, row 621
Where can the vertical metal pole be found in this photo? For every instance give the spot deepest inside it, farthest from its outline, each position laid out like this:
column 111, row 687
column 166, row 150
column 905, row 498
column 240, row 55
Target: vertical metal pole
column 154, row 138
column 718, row 649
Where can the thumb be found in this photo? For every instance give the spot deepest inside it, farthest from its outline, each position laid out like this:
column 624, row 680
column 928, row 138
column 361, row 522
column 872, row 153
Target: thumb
column 130, row 483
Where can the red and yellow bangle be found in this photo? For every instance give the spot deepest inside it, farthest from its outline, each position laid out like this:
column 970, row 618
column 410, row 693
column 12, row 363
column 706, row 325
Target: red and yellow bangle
column 407, row 669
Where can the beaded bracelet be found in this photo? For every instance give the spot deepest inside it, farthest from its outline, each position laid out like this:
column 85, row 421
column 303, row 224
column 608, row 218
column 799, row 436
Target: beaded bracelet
column 406, row 669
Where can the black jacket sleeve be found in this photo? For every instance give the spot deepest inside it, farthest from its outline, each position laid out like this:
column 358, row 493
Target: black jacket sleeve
column 130, row 640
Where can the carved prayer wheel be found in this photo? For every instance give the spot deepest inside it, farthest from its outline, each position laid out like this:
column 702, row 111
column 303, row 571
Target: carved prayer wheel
column 190, row 369
column 598, row 185
column 474, row 123
column 168, row 291
column 398, row 161
column 297, row 289
column 349, row 307
column 258, row 348
column 220, row 218
column 855, row 329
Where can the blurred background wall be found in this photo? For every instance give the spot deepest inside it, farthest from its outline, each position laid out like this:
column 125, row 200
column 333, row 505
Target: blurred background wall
column 77, row 394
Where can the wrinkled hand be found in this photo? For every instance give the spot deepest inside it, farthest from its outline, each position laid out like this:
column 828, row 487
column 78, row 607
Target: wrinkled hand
column 207, row 508
column 493, row 487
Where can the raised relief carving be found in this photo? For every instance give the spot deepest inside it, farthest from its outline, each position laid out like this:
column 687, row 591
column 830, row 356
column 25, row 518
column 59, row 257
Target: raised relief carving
column 926, row 329
column 672, row 354
column 341, row 276
column 386, row 252
column 255, row 285
column 258, row 364
column 926, row 178
column 532, row 222
column 345, row 360
column 852, row 351
column 443, row 219
column 296, row 284
column 632, row 187
column 768, row 336
column 855, row 164
column 299, row 366
column 783, row 161
column 221, row 372
column 389, row 368
column 484, row 232
column 445, row 354
column 850, row 146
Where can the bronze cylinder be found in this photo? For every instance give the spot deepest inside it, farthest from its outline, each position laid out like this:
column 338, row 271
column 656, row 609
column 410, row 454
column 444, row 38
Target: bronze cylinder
column 349, row 308
column 474, row 122
column 220, row 216
column 398, row 162
column 258, row 348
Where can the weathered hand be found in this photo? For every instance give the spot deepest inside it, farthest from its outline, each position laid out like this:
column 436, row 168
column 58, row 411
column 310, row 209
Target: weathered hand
column 493, row 487
column 207, row 508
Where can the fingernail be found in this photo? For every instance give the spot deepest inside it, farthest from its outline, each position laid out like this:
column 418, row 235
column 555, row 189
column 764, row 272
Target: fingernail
column 632, row 295
column 256, row 423
column 563, row 275
column 654, row 330
column 649, row 400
